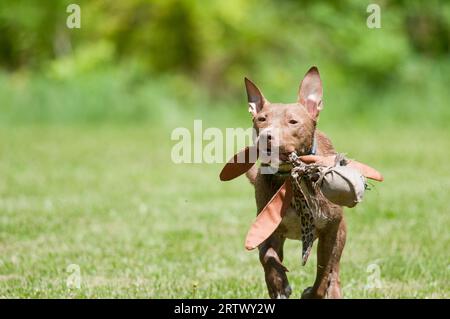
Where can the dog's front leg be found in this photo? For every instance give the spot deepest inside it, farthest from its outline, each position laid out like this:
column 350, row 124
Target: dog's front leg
column 329, row 250
column 271, row 250
column 271, row 257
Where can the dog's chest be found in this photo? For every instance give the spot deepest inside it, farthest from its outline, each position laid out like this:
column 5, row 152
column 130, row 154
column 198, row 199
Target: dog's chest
column 299, row 221
column 290, row 226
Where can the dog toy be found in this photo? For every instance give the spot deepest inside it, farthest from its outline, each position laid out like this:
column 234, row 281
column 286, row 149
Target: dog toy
column 313, row 182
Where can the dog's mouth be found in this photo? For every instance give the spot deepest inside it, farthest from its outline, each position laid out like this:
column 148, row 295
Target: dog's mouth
column 280, row 164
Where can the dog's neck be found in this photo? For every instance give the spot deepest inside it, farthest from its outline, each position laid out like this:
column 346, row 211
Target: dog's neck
column 313, row 150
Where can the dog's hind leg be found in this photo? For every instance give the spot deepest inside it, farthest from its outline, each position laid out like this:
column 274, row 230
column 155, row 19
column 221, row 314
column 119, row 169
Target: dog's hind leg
column 334, row 283
column 271, row 257
column 329, row 250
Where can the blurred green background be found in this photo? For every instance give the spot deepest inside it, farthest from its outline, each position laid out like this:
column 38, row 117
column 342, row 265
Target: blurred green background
column 85, row 122
column 158, row 61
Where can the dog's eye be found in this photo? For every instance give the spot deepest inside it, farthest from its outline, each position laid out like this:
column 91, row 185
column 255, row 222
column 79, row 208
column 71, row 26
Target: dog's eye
column 261, row 119
column 293, row 122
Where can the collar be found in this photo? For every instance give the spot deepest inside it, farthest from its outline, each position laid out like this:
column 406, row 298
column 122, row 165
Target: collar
column 313, row 150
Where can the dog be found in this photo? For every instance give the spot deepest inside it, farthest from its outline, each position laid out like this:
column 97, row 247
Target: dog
column 292, row 128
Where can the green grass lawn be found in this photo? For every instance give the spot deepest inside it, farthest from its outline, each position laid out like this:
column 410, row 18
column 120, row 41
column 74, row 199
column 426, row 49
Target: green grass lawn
column 109, row 200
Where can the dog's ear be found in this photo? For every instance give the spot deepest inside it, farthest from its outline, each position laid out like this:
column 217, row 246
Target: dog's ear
column 256, row 99
column 310, row 92
column 270, row 217
column 240, row 163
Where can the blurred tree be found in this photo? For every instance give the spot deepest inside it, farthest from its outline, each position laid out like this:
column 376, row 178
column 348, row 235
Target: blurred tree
column 215, row 42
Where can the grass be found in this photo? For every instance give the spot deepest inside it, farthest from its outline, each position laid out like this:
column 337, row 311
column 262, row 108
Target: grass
column 108, row 198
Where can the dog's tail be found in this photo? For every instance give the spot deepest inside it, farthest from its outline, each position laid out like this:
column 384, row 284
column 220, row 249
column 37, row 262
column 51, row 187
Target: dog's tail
column 251, row 174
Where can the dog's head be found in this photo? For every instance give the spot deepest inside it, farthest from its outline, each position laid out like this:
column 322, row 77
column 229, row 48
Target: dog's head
column 285, row 128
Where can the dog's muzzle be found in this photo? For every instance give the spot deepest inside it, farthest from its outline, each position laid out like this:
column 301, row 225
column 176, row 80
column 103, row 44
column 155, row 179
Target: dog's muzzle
column 282, row 169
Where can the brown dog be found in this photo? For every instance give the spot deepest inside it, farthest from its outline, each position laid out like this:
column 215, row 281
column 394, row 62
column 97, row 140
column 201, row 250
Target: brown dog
column 295, row 127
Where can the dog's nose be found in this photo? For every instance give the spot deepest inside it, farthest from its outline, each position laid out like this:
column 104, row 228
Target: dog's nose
column 266, row 142
column 266, row 134
column 269, row 142
column 266, row 138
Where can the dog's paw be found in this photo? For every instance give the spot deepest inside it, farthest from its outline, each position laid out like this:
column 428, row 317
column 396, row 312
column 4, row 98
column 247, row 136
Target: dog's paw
column 288, row 291
column 308, row 293
column 281, row 294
